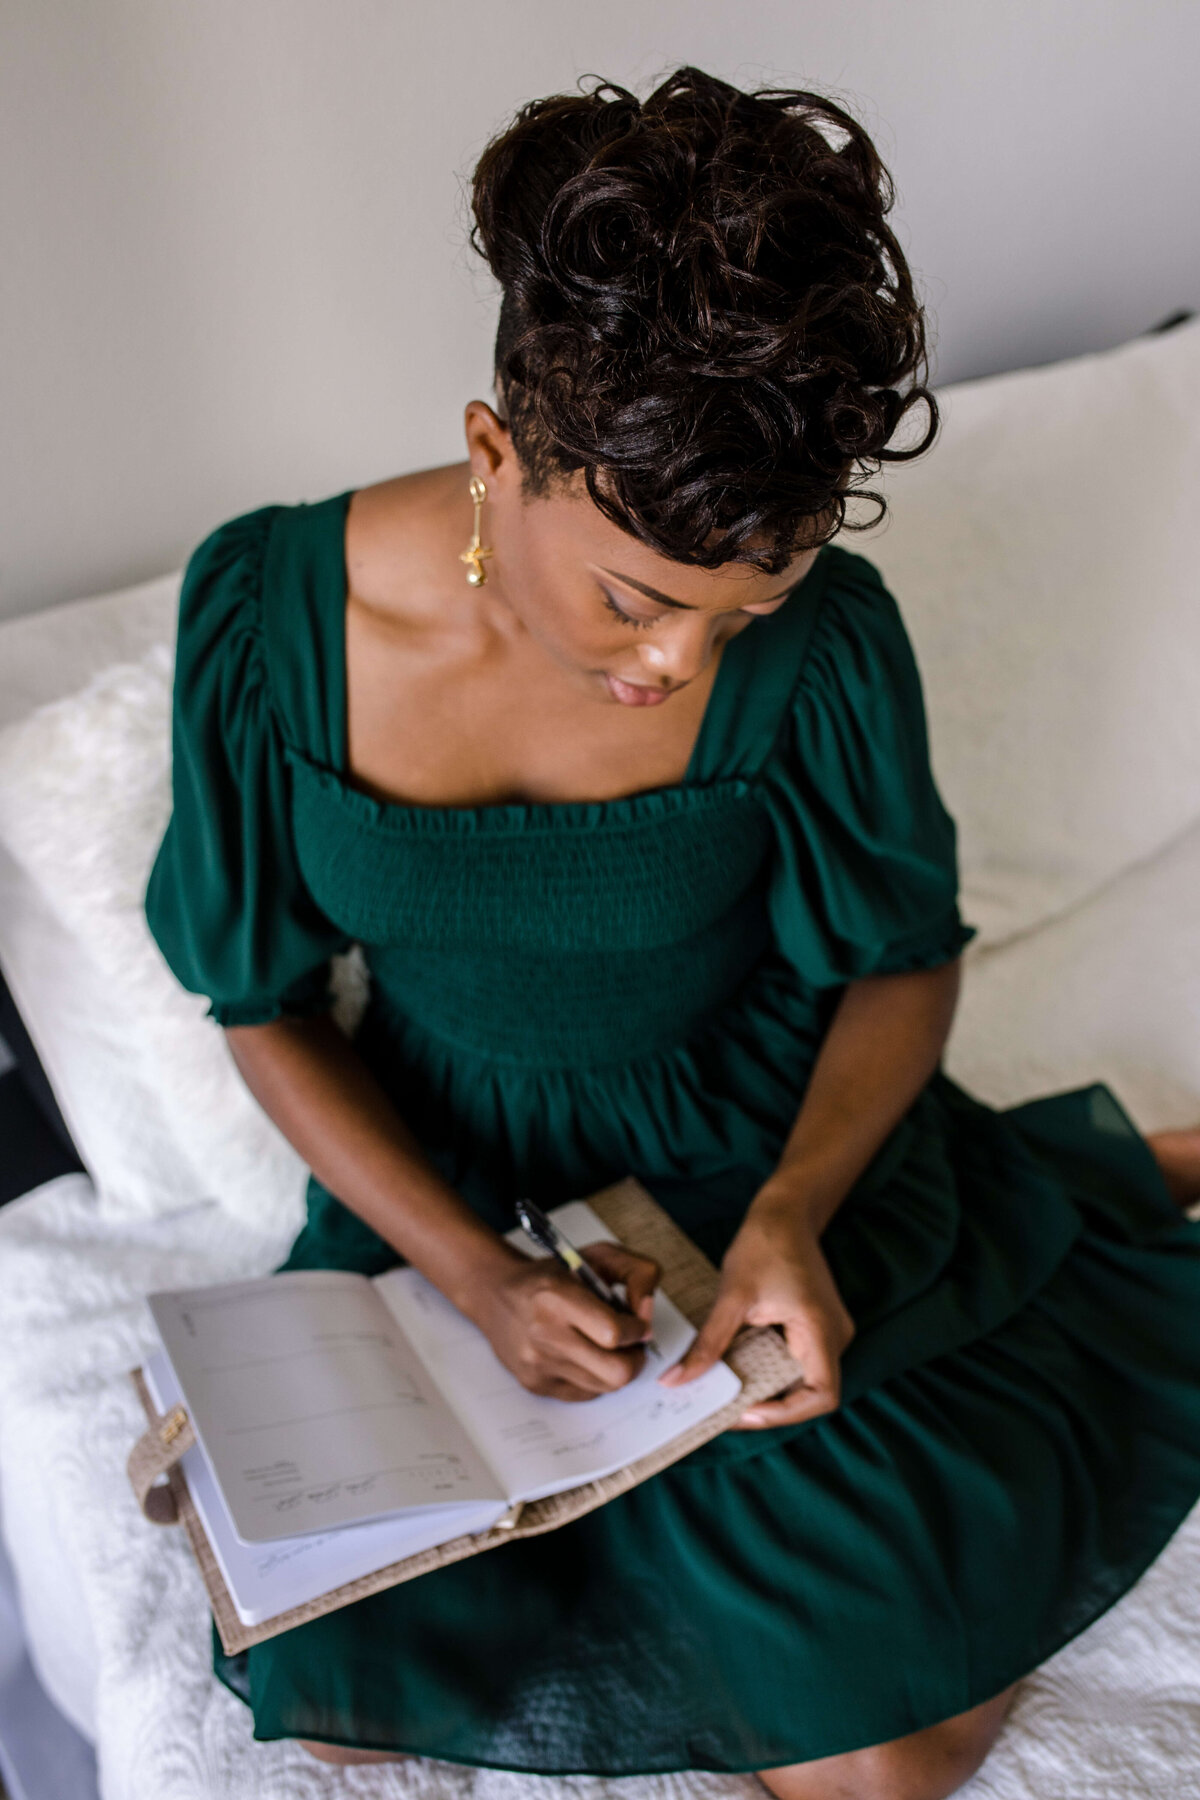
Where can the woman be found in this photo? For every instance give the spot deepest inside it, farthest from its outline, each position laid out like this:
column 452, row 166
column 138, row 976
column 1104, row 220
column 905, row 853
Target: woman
column 617, row 767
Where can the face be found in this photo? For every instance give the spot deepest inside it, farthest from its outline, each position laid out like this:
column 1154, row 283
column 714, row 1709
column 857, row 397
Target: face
column 624, row 623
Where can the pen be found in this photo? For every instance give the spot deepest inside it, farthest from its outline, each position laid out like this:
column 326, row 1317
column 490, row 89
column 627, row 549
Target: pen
column 548, row 1237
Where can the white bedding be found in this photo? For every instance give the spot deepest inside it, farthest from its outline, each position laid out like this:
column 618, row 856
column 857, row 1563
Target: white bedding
column 115, row 1613
column 1106, row 988
column 122, row 1618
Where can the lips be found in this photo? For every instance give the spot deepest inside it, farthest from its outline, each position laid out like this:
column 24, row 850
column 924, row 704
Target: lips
column 632, row 693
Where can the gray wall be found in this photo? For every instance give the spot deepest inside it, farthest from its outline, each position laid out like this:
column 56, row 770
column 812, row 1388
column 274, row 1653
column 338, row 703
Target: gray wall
column 233, row 231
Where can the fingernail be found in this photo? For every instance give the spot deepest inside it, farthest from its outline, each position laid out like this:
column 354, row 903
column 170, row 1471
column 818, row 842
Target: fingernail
column 752, row 1417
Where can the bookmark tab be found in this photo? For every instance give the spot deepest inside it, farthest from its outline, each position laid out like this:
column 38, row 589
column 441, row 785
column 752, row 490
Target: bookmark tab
column 154, row 1456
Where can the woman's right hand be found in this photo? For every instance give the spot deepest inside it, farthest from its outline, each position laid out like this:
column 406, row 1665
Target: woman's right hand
column 556, row 1336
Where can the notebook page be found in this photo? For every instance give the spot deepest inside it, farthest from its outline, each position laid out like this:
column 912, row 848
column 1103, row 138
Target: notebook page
column 540, row 1446
column 265, row 1580
column 313, row 1408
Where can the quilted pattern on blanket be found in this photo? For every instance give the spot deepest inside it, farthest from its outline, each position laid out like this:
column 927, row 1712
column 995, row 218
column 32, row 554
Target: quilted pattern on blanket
column 1115, row 1716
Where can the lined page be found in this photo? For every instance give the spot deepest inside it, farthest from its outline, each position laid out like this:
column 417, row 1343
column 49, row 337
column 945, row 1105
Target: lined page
column 312, row 1406
column 265, row 1580
column 540, row 1446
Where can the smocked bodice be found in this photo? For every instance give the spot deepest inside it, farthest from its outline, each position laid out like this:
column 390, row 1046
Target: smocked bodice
column 807, row 825
column 596, row 931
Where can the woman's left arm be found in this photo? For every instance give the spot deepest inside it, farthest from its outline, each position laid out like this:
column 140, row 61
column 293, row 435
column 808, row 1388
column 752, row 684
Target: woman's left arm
column 884, row 1042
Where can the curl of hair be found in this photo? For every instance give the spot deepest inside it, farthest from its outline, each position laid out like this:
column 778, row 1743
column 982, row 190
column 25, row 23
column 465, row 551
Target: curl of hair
column 704, row 309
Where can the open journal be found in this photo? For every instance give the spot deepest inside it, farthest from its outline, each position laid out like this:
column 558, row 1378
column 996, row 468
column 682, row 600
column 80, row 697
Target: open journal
column 347, row 1427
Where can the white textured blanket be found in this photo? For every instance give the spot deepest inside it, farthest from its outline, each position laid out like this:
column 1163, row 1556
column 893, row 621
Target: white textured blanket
column 1115, row 1715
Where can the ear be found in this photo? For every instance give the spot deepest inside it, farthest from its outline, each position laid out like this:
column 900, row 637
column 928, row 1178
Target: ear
column 489, row 445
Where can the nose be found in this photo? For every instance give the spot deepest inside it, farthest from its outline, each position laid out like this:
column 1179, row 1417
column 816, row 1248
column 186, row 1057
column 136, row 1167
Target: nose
column 682, row 647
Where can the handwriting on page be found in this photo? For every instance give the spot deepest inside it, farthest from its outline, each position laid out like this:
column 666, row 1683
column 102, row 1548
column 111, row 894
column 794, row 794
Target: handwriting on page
column 539, row 1445
column 313, row 1406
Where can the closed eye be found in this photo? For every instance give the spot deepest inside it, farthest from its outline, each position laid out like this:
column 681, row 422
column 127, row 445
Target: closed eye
column 765, row 610
column 627, row 618
column 762, row 611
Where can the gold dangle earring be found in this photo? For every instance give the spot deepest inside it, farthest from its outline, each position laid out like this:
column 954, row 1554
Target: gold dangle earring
column 475, row 552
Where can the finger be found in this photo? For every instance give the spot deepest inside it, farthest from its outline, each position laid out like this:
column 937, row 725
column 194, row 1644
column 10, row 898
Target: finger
column 556, row 1388
column 640, row 1274
column 712, row 1340
column 810, row 1346
column 552, row 1377
column 799, row 1403
column 555, row 1369
column 594, row 1319
column 584, row 1362
column 819, row 1391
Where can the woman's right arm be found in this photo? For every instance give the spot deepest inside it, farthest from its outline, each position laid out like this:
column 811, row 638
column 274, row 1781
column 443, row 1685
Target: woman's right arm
column 554, row 1335
column 228, row 906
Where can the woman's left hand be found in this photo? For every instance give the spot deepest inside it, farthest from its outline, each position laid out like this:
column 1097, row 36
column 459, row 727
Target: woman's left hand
column 775, row 1273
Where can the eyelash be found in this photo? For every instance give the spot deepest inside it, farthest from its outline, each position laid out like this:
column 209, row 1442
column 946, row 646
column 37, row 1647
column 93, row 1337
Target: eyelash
column 626, row 618
column 629, row 618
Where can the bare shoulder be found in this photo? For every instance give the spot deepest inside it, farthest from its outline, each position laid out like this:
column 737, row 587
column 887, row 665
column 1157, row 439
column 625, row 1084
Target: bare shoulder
column 398, row 536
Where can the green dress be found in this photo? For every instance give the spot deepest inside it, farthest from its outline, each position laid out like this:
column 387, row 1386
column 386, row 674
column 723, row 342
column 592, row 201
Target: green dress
column 565, row 993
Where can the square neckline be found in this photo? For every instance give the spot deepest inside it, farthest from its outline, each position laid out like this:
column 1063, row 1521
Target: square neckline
column 755, row 642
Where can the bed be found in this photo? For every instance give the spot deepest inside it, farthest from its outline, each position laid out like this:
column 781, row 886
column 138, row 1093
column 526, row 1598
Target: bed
column 1074, row 773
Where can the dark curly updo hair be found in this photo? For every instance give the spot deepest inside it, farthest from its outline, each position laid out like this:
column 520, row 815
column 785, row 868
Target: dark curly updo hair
column 704, row 309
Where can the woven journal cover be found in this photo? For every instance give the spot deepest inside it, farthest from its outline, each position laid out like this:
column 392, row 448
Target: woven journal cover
column 758, row 1357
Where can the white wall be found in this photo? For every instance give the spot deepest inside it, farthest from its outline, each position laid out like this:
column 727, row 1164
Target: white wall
column 233, row 231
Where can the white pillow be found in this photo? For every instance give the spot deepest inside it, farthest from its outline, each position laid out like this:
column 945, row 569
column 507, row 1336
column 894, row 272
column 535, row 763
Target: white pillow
column 1045, row 554
column 1042, row 555
column 87, row 1043
column 1108, row 992
column 84, row 800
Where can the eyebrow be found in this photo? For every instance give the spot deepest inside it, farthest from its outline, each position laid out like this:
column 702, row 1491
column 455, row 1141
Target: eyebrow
column 682, row 605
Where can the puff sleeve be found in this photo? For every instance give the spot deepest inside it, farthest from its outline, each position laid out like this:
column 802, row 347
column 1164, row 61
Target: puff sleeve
column 225, row 901
column 866, row 877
